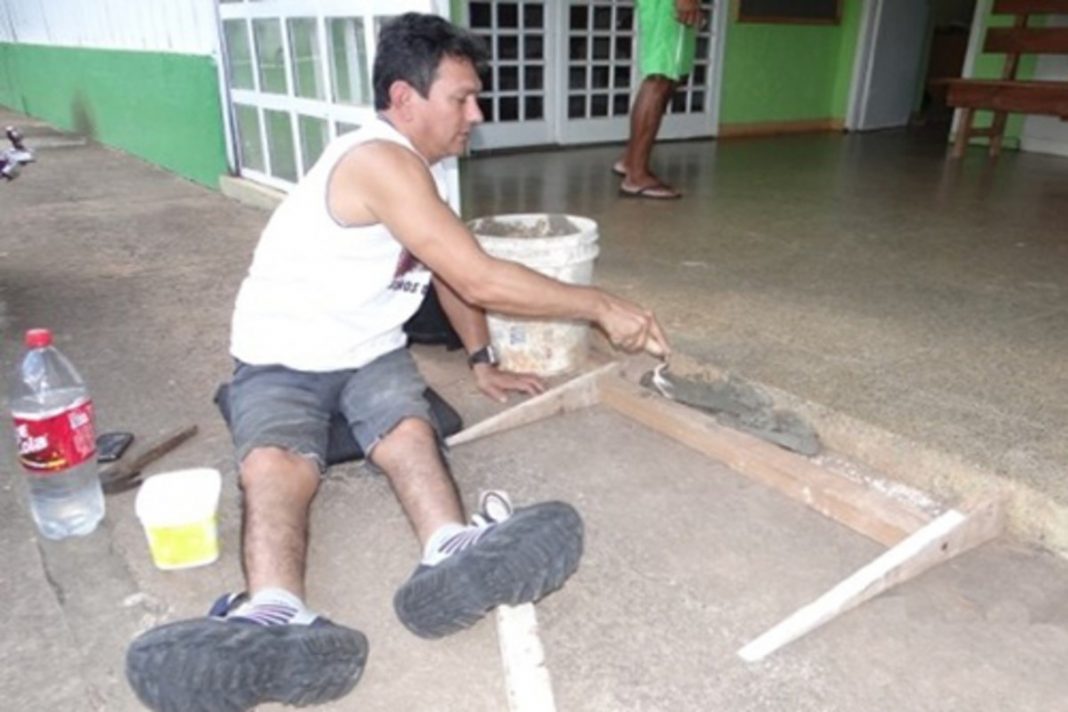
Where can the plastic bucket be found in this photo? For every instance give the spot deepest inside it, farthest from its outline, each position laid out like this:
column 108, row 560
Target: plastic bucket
column 178, row 512
column 559, row 246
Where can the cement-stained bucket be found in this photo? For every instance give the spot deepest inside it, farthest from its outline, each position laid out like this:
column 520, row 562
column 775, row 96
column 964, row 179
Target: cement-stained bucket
column 178, row 512
column 559, row 246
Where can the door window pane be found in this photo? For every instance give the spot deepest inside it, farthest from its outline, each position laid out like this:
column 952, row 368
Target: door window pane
column 507, row 15
column 343, row 128
column 533, row 108
column 602, row 46
column 576, row 107
column 348, row 61
column 509, row 108
column 533, row 47
column 248, row 134
column 304, row 50
column 532, row 16
column 579, row 17
column 507, row 47
column 313, row 137
column 481, row 14
column 508, row 78
column 599, row 105
column 600, row 77
column 270, row 56
column 280, row 149
column 602, row 18
column 238, row 54
column 533, row 78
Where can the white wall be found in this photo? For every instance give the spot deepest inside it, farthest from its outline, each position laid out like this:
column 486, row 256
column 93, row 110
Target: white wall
column 1048, row 134
column 180, row 26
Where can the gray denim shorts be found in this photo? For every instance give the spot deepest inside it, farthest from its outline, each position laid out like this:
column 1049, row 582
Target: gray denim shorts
column 278, row 406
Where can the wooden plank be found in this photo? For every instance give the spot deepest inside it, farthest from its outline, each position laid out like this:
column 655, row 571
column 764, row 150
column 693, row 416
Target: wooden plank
column 948, row 536
column 1013, row 96
column 779, row 128
column 869, row 512
column 1030, row 7
column 1026, row 40
column 580, row 392
column 526, row 676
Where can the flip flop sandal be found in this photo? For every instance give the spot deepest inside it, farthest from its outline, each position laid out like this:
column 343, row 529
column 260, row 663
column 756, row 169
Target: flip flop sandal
column 651, row 192
column 618, row 170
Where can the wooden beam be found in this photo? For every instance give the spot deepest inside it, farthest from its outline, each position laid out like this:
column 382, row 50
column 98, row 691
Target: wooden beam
column 578, row 393
column 526, row 676
column 762, row 129
column 948, row 536
column 1030, row 7
column 867, row 511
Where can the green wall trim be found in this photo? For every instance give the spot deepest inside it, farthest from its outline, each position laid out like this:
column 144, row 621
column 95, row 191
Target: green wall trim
column 159, row 106
column 788, row 72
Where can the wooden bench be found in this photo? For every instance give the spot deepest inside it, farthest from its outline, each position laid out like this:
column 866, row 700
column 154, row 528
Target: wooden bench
column 1009, row 94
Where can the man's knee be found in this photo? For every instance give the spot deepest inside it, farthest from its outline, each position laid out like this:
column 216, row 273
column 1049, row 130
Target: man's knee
column 266, row 465
column 411, row 437
column 413, row 430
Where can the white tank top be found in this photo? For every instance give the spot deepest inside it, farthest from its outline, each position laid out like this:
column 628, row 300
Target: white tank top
column 320, row 296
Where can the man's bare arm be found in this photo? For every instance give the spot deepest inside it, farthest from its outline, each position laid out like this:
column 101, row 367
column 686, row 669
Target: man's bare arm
column 385, row 182
column 470, row 324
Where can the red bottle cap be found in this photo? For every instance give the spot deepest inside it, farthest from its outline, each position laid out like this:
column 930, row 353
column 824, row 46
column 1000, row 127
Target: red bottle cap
column 38, row 338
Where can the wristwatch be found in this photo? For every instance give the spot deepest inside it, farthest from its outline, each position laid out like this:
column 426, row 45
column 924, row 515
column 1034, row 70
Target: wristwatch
column 486, row 354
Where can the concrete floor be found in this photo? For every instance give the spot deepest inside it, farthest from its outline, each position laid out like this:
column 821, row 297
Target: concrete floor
column 898, row 300
column 915, row 307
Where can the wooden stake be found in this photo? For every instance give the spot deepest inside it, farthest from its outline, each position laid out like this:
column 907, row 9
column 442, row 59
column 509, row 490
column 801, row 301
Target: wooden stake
column 578, row 393
column 526, row 675
column 867, row 511
column 949, row 535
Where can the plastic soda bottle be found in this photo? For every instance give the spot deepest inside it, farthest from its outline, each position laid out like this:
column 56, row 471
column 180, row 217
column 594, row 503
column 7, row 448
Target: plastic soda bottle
column 56, row 442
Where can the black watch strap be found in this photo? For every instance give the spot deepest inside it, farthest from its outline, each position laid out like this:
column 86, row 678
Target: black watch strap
column 486, row 354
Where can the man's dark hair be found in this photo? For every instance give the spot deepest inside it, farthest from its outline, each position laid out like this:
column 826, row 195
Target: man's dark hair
column 412, row 45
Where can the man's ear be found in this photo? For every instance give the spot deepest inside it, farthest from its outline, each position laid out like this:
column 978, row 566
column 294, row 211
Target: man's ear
column 401, row 94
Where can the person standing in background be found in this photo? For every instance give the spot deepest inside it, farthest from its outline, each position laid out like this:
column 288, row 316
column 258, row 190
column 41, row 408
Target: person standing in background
column 666, row 48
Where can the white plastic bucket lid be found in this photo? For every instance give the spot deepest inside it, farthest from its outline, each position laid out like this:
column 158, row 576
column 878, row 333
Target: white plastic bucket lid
column 179, row 497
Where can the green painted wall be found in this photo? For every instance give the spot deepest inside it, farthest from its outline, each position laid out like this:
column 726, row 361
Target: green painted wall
column 788, row 72
column 161, row 107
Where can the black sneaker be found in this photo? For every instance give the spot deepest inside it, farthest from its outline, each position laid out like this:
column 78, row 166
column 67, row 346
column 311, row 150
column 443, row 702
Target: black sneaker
column 214, row 665
column 519, row 557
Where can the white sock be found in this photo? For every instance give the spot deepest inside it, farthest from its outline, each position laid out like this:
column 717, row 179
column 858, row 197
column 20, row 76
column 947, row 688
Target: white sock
column 449, row 539
column 274, row 606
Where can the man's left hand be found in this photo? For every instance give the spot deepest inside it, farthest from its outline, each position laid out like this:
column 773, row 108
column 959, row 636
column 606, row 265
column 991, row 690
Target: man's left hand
column 497, row 384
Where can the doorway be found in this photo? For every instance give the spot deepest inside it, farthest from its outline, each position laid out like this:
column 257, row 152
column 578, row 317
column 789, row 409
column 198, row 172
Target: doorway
column 906, row 51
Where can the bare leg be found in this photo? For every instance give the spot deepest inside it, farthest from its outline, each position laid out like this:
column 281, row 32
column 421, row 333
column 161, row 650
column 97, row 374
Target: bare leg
column 410, row 458
column 279, row 487
column 645, row 118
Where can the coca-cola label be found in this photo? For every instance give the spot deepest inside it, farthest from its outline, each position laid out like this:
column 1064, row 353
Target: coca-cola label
column 50, row 443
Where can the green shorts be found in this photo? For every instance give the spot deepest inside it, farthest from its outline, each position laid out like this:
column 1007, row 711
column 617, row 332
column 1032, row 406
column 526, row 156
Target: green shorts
column 665, row 46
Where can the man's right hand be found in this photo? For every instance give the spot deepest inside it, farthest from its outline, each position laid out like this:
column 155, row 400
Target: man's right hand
column 688, row 12
column 631, row 328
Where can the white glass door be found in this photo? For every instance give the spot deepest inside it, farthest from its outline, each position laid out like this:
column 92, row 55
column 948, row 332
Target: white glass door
column 299, row 74
column 515, row 101
column 565, row 72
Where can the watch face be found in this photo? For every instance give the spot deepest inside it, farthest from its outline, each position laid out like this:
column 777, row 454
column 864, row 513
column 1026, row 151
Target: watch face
column 486, row 354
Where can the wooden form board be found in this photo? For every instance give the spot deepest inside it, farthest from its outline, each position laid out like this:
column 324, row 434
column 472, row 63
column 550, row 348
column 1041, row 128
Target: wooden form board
column 916, row 543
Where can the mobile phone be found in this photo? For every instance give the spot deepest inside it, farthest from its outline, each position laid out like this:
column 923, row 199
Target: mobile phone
column 111, row 446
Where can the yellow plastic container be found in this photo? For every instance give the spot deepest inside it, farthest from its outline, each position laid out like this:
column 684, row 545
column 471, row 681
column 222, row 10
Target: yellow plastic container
column 178, row 512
